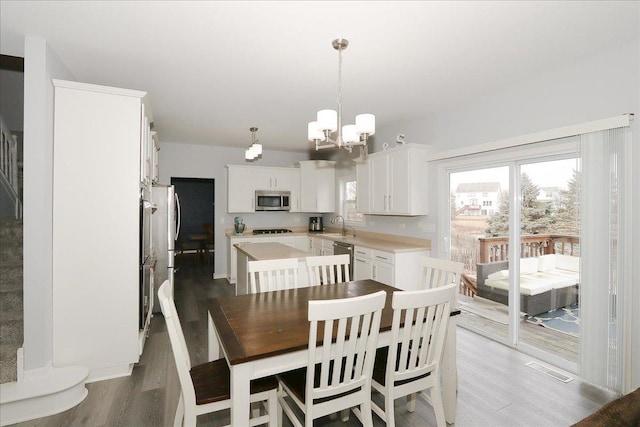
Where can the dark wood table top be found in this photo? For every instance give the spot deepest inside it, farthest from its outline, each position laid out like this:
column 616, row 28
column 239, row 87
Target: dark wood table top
column 257, row 326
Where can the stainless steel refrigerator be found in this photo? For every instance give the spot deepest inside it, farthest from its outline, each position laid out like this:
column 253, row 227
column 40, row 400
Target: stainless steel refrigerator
column 165, row 229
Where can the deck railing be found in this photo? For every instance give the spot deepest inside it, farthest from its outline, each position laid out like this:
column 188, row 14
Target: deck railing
column 494, row 249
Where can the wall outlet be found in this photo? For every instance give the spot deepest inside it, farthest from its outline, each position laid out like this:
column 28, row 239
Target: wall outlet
column 296, row 219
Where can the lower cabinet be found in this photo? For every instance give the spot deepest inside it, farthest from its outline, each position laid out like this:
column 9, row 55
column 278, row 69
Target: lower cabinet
column 399, row 269
column 319, row 246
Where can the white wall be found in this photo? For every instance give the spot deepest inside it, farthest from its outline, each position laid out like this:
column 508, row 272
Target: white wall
column 199, row 161
column 41, row 65
column 603, row 86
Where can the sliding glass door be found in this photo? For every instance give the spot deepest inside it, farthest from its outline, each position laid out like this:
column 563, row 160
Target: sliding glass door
column 523, row 294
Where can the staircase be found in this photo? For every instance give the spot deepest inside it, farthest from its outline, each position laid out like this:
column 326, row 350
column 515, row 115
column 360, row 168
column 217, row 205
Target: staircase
column 11, row 305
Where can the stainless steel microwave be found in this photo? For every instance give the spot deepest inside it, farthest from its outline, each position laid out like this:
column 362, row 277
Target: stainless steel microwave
column 273, row 200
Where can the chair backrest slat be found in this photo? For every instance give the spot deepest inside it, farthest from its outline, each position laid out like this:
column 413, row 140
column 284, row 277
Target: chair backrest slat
column 349, row 339
column 440, row 272
column 419, row 329
column 272, row 275
column 327, row 269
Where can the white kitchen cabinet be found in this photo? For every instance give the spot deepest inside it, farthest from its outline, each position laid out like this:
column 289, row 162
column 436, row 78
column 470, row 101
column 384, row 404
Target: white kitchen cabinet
column 363, row 196
column 362, row 263
column 383, row 267
column 317, row 186
column 98, row 172
column 399, row 269
column 244, row 181
column 394, row 182
column 241, row 189
column 320, row 247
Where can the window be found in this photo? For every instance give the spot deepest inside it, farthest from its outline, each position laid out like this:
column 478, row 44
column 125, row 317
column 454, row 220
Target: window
column 348, row 186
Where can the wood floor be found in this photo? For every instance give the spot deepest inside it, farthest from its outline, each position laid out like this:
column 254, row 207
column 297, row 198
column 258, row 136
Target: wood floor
column 496, row 388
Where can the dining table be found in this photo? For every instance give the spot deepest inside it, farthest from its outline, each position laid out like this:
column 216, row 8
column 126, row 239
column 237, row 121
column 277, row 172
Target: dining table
column 268, row 333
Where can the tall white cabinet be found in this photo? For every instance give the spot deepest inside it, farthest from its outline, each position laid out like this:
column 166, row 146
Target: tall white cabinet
column 100, row 168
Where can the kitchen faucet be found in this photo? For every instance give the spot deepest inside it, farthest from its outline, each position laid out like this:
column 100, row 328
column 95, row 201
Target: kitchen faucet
column 333, row 221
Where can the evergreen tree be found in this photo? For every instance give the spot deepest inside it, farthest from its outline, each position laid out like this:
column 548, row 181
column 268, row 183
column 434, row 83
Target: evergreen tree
column 567, row 217
column 535, row 216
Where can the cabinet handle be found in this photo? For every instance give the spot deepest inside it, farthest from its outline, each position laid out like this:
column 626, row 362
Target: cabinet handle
column 359, row 260
column 276, row 180
column 390, row 208
column 374, row 271
column 381, row 257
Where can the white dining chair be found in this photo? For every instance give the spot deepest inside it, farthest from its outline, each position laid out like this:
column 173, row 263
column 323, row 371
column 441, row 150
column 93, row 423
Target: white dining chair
column 272, row 274
column 411, row 363
column 205, row 388
column 438, row 272
column 342, row 380
column 327, row 269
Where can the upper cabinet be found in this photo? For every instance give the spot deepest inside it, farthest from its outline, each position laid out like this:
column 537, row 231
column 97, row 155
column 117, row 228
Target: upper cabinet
column 312, row 186
column 394, row 182
column 243, row 182
column 318, row 186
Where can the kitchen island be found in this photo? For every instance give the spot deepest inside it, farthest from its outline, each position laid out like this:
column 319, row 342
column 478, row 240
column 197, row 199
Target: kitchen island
column 266, row 251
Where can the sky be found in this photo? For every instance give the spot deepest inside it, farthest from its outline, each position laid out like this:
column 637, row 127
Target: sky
column 545, row 174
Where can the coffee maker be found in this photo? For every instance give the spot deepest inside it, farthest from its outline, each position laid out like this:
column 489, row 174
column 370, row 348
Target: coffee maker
column 315, row 224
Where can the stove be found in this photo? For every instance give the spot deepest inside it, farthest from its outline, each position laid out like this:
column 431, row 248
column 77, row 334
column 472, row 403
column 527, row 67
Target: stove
column 272, row 231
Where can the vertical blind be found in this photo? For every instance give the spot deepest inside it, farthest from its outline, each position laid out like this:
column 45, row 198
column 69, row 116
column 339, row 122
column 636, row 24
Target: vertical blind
column 605, row 248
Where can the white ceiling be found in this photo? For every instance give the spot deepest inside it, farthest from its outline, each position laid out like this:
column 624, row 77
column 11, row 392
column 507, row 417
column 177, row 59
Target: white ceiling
column 214, row 69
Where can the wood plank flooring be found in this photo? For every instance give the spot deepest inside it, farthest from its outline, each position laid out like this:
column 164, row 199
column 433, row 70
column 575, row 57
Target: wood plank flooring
column 496, row 388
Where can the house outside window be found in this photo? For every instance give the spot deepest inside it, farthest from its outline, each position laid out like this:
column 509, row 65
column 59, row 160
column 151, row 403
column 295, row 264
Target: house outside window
column 348, row 193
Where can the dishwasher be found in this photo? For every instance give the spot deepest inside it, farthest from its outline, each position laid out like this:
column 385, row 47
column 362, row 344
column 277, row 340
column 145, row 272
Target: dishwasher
column 340, row 248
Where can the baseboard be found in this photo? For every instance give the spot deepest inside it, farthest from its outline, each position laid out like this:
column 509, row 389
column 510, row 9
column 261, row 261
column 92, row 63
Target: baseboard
column 109, row 373
column 43, row 393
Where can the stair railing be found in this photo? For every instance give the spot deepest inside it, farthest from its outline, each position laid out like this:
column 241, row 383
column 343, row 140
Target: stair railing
column 9, row 167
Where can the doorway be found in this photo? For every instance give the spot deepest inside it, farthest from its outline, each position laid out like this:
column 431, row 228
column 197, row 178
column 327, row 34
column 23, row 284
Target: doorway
column 541, row 270
column 197, row 218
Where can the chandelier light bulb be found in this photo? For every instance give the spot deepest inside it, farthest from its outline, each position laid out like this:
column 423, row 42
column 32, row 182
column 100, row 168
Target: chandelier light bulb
column 328, row 120
column 366, row 124
column 349, row 134
column 313, row 132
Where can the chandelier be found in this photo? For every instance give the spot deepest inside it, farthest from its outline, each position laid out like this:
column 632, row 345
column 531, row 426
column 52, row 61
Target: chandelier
column 328, row 121
column 255, row 149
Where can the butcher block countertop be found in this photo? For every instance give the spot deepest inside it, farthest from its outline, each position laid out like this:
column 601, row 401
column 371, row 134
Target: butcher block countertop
column 264, row 251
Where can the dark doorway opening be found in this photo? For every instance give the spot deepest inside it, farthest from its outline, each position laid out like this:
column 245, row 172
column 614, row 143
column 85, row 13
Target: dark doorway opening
column 197, row 218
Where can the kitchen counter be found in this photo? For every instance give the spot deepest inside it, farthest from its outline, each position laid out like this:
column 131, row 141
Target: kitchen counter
column 381, row 242
column 264, row 251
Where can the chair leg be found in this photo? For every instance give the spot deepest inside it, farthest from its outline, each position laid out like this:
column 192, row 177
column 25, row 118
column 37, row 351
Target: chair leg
column 365, row 413
column 438, row 406
column 177, row 421
column 275, row 413
column 411, row 402
column 389, row 409
column 344, row 415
